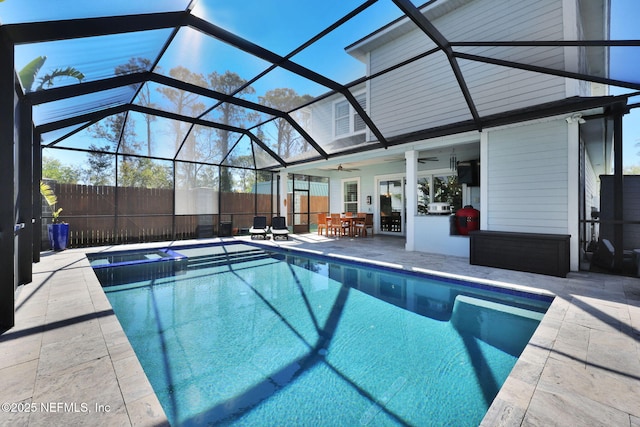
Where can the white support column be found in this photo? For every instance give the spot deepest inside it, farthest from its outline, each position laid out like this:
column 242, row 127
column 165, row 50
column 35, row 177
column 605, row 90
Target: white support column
column 484, row 181
column 283, row 195
column 573, row 187
column 411, row 196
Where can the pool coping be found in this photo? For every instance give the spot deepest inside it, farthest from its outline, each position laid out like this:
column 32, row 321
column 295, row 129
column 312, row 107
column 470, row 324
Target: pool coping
column 557, row 380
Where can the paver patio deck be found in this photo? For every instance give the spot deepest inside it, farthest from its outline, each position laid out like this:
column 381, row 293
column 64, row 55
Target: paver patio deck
column 68, row 362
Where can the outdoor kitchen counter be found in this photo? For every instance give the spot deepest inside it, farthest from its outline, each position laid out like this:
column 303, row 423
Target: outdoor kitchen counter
column 433, row 233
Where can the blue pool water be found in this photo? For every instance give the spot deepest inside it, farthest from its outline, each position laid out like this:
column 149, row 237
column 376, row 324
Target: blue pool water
column 241, row 336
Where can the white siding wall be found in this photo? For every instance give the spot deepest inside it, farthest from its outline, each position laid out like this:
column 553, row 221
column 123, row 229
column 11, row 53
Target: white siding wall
column 527, row 178
column 321, row 129
column 425, row 93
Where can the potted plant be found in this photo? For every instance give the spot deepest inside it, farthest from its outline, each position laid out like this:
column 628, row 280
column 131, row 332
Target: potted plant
column 58, row 231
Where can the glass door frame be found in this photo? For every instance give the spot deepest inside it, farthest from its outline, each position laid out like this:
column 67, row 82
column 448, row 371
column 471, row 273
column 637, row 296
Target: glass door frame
column 403, row 212
column 300, row 216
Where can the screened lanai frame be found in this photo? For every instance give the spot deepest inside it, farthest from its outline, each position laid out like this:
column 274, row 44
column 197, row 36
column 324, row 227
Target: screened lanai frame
column 157, row 31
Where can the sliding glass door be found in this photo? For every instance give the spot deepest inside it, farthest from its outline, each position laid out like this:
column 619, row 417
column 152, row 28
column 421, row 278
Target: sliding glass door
column 391, row 205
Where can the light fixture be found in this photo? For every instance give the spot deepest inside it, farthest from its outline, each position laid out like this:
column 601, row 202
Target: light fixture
column 575, row 118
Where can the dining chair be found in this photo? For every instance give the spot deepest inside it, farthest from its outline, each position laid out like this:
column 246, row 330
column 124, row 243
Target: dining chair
column 368, row 223
column 322, row 224
column 338, row 226
column 358, row 224
column 363, row 223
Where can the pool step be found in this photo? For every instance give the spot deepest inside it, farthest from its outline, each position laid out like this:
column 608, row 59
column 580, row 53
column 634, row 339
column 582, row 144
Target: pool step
column 221, row 259
column 502, row 326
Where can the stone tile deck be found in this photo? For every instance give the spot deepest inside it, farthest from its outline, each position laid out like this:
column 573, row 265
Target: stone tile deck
column 68, row 362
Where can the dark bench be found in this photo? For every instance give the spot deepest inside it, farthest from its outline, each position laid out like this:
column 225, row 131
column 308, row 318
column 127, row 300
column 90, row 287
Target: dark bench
column 532, row 252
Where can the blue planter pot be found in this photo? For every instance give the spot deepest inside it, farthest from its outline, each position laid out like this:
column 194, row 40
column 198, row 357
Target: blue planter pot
column 58, row 236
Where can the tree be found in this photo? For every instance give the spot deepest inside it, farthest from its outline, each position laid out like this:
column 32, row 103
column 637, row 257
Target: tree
column 136, row 65
column 55, row 170
column 145, row 173
column 632, row 170
column 288, row 142
column 118, row 131
column 100, row 170
column 183, row 102
column 185, row 136
column 230, row 114
column 29, row 73
column 246, row 178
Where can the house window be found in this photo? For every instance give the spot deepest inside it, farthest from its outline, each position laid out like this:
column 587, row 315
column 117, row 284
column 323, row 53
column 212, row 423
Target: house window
column 347, row 121
column 358, row 123
column 350, row 196
column 342, row 118
column 439, row 188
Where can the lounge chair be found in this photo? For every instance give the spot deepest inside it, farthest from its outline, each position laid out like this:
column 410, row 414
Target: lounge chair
column 279, row 228
column 604, row 256
column 259, row 228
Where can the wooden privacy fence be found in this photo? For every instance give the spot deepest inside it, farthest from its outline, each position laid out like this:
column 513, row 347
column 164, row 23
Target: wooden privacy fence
column 104, row 215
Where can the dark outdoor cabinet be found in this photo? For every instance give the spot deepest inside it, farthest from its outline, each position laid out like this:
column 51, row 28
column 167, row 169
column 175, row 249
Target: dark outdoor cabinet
column 225, row 229
column 532, row 252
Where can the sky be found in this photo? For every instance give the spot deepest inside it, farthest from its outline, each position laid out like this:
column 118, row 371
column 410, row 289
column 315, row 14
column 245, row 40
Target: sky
column 624, row 26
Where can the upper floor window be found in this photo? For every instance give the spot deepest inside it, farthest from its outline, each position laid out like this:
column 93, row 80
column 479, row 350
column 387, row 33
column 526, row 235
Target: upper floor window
column 347, row 120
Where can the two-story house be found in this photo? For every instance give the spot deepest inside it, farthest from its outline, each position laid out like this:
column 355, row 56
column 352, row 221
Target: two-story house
column 491, row 90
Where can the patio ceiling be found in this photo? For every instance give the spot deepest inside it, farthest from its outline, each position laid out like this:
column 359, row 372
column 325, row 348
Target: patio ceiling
column 180, row 71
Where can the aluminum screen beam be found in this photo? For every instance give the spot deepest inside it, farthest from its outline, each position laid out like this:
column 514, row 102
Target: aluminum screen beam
column 549, row 71
column 26, row 190
column 7, row 195
column 53, row 94
column 37, row 32
column 280, row 61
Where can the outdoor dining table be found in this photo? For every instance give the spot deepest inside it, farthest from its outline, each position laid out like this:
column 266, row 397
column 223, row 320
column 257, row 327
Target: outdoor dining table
column 352, row 220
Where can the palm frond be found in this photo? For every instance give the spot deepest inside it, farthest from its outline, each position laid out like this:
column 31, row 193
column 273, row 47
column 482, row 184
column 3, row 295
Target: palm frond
column 51, row 199
column 47, row 79
column 48, row 194
column 30, row 71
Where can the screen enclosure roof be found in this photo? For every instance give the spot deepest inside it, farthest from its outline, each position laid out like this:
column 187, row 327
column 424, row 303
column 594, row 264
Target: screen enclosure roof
column 240, row 83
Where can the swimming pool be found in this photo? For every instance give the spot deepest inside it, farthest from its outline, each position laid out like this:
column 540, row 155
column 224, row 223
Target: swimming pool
column 244, row 336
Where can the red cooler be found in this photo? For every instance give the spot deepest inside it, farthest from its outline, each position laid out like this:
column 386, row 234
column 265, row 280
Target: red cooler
column 467, row 219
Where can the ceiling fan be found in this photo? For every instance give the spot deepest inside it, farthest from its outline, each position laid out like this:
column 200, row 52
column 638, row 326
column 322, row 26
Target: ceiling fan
column 427, row 159
column 420, row 159
column 340, row 168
